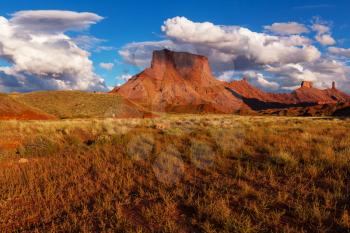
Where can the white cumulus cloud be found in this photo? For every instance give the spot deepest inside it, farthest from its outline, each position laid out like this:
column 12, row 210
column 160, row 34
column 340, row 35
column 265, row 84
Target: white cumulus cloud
column 228, row 76
column 53, row 21
column 277, row 60
column 124, row 77
column 238, row 42
column 290, row 28
column 106, row 66
column 339, row 51
column 325, row 39
column 320, row 28
column 260, row 81
column 323, row 34
column 42, row 56
column 226, row 46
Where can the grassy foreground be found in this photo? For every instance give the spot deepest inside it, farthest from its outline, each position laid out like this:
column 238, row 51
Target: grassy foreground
column 176, row 174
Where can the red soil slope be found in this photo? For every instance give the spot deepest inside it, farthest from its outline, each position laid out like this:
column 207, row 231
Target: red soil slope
column 13, row 110
column 180, row 82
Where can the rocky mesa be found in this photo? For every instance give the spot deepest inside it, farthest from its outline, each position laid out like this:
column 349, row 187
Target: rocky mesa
column 183, row 83
column 180, row 82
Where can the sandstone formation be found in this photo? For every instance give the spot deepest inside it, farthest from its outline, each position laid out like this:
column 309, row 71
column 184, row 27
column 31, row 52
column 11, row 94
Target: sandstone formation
column 183, row 83
column 308, row 94
column 304, row 96
column 306, row 84
column 180, row 82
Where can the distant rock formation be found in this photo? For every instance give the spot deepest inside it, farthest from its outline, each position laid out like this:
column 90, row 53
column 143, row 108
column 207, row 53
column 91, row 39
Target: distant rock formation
column 306, row 84
column 304, row 96
column 180, row 82
column 257, row 99
column 183, row 83
column 308, row 94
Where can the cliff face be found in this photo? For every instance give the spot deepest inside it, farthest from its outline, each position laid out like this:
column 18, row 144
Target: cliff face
column 188, row 66
column 180, row 82
column 306, row 84
column 306, row 95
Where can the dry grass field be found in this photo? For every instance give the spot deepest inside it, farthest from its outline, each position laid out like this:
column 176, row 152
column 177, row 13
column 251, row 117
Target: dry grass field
column 177, row 173
column 75, row 104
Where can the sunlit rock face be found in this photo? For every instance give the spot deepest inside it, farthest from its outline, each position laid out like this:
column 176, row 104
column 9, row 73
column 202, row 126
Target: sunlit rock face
column 180, row 82
column 183, row 82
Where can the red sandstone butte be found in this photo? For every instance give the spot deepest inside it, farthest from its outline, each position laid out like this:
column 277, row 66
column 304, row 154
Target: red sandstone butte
column 183, row 82
column 180, row 82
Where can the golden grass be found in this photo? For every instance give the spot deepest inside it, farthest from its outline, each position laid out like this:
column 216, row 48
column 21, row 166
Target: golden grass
column 74, row 104
column 182, row 173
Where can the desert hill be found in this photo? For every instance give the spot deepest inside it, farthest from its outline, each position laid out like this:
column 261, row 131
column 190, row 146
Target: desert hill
column 77, row 104
column 180, row 82
column 14, row 110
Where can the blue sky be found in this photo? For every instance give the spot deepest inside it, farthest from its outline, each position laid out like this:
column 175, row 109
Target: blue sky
column 138, row 21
